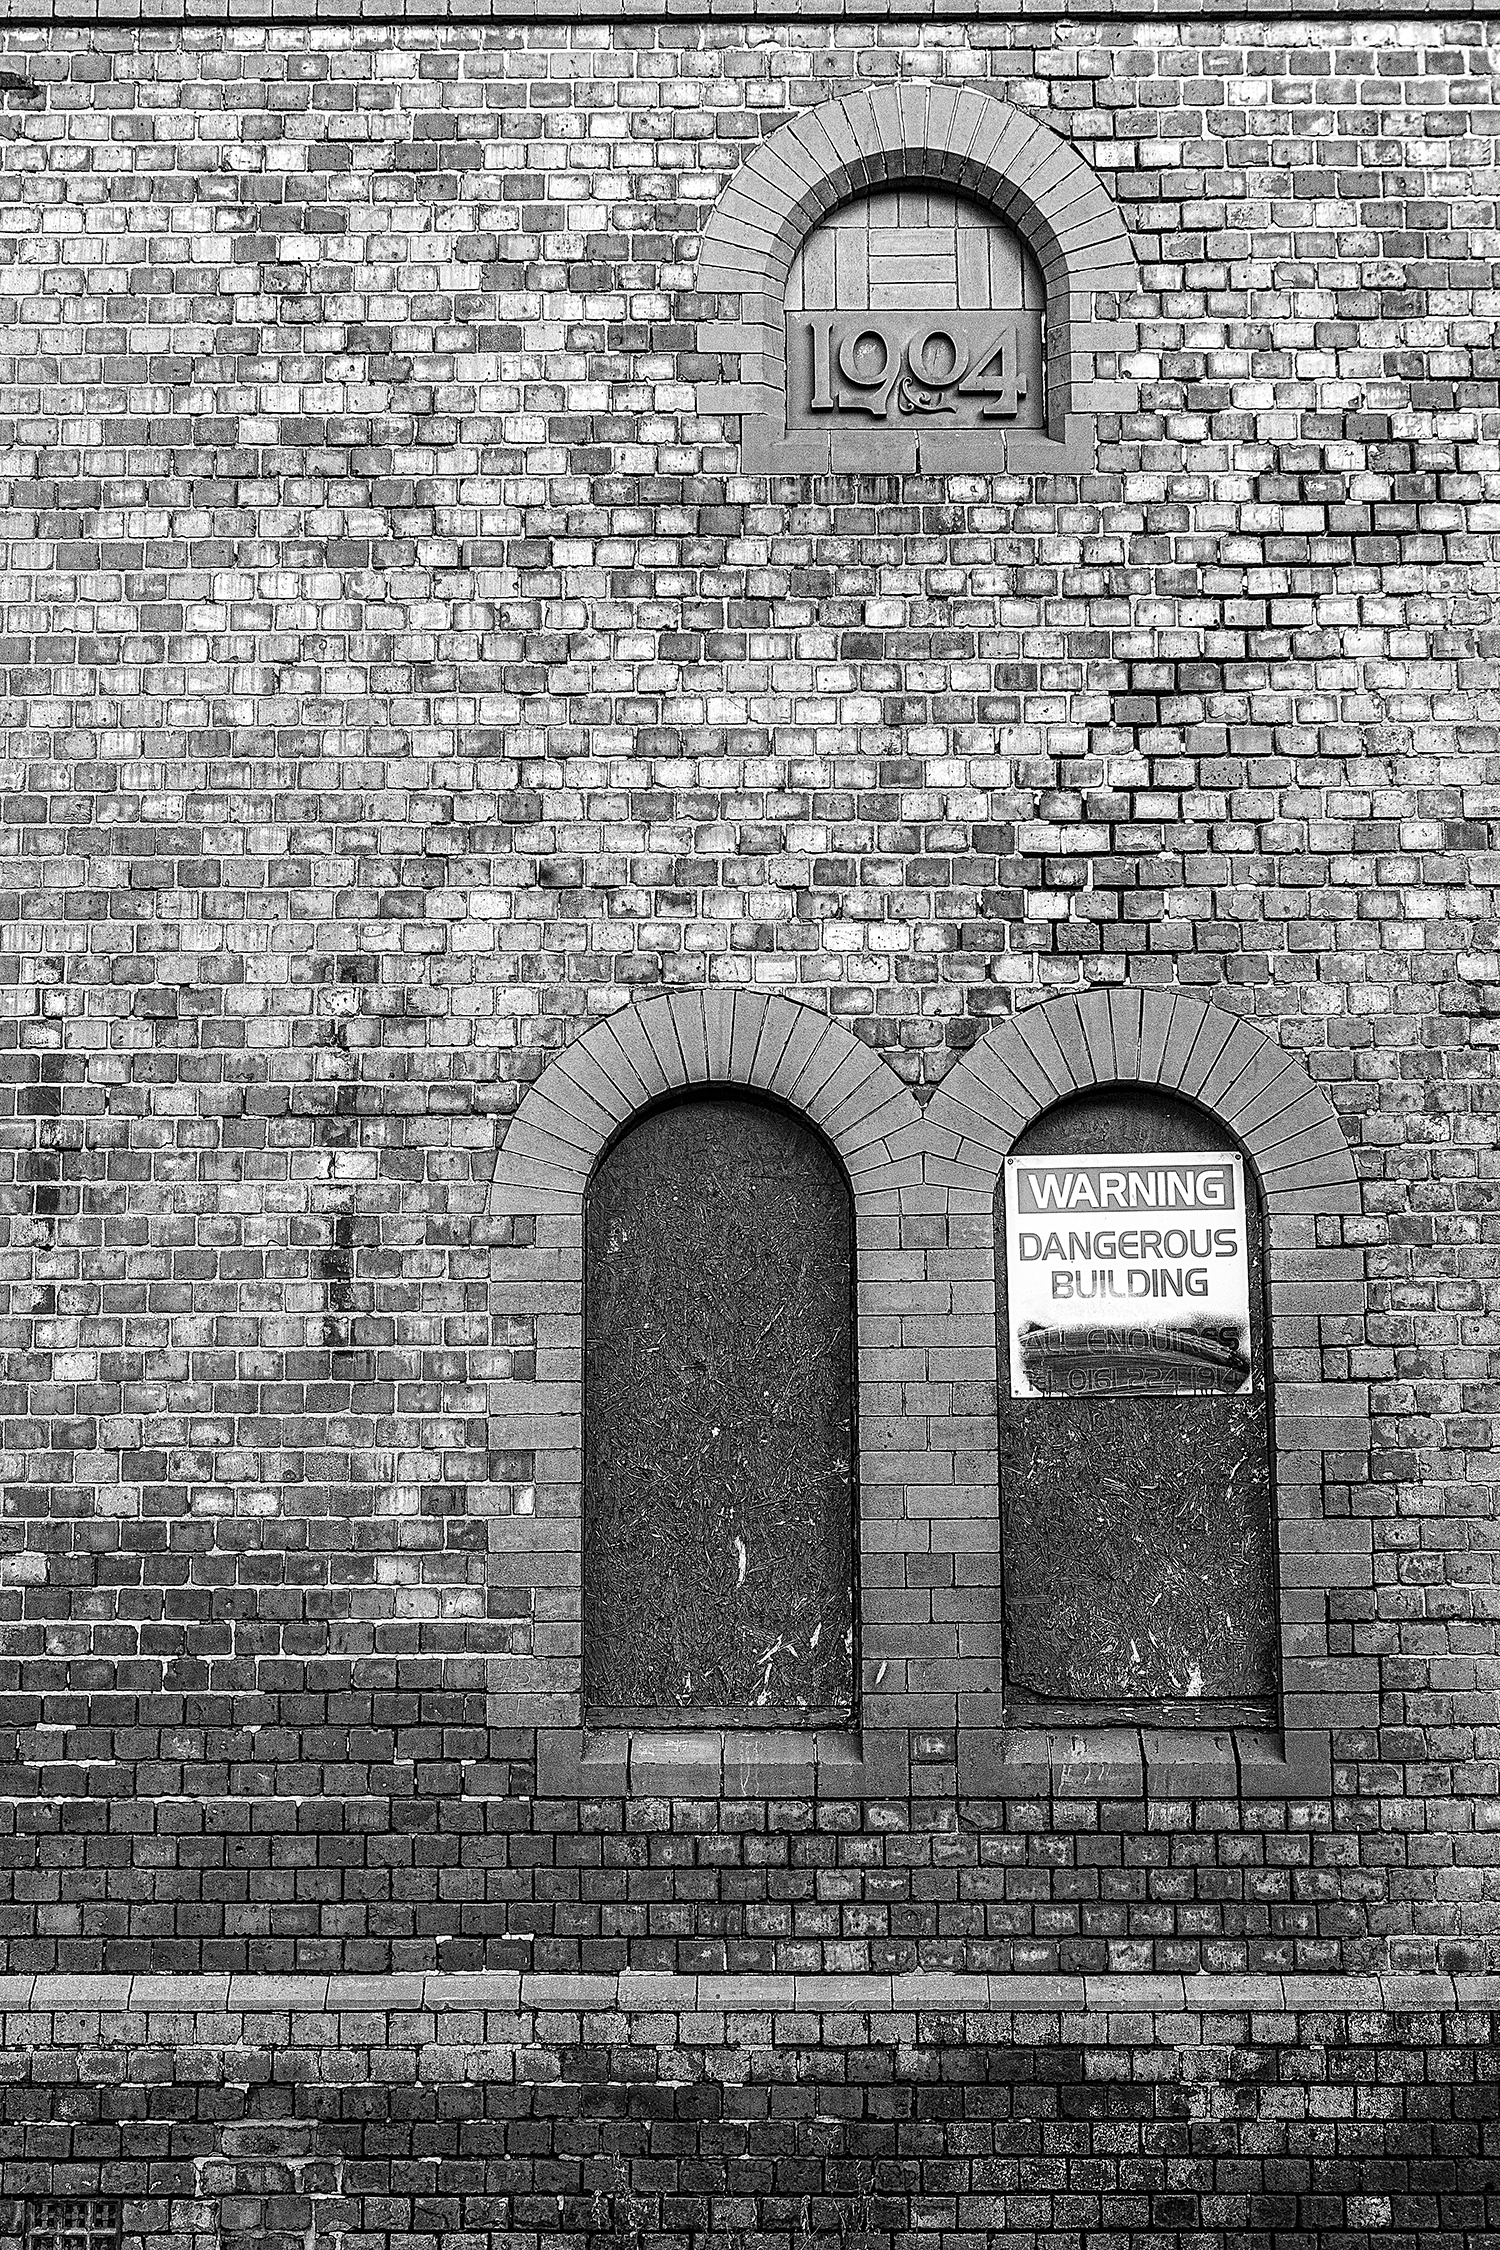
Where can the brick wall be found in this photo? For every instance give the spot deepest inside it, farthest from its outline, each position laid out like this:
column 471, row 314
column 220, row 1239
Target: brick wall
column 403, row 674
column 307, row 2112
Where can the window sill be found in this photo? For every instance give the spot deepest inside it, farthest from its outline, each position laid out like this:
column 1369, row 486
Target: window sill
column 721, row 1762
column 1066, row 447
column 1124, row 1762
column 1038, row 1763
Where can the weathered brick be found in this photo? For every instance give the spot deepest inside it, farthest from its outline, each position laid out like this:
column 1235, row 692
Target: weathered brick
column 409, row 682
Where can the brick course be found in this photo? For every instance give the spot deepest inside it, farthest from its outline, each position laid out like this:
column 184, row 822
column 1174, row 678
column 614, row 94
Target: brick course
column 404, row 677
column 1271, row 2117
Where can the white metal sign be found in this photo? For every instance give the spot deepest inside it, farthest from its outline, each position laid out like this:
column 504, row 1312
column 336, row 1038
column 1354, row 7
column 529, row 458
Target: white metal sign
column 1127, row 1275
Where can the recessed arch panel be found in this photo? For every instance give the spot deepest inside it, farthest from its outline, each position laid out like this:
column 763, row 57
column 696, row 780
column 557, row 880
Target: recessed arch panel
column 996, row 158
column 639, row 1063
column 1272, row 1110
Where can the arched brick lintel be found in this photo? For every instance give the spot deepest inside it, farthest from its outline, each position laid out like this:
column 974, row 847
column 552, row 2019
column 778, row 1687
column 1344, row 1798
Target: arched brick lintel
column 1265, row 1099
column 999, row 155
column 685, row 1040
column 856, row 141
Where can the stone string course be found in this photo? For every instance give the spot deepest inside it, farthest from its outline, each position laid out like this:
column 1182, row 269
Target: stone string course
column 1092, row 2001
column 403, row 679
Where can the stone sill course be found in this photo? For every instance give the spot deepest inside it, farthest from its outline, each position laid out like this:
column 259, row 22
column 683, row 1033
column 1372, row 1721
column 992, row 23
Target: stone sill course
column 516, row 1993
column 1102, row 1761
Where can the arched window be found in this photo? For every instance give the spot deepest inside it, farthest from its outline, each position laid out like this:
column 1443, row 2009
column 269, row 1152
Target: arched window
column 718, row 1496
column 1136, row 1502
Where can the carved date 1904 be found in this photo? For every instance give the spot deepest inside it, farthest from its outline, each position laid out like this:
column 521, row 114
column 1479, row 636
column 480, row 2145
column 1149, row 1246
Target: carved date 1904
column 972, row 367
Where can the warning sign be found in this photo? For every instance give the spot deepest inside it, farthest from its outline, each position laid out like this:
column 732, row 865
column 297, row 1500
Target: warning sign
column 1127, row 1275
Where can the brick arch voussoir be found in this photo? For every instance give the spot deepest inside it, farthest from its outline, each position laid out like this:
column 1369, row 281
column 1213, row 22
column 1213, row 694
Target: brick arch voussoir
column 1263, row 1096
column 760, row 1042
column 1005, row 158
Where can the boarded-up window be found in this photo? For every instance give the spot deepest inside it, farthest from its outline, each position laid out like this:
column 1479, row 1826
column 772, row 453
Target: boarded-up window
column 718, row 1506
column 1138, row 1557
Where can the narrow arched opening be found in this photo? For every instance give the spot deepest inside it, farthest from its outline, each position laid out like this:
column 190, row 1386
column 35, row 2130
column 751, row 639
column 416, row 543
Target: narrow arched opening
column 1137, row 1506
column 718, row 1492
